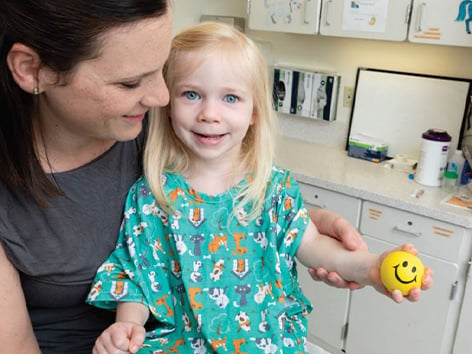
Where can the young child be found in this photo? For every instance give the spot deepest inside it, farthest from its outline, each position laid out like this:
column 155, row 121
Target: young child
column 211, row 232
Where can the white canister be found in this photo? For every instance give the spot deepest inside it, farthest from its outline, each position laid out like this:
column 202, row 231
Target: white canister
column 433, row 157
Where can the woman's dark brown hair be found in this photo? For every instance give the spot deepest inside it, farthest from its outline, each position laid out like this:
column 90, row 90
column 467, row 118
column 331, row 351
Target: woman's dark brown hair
column 63, row 33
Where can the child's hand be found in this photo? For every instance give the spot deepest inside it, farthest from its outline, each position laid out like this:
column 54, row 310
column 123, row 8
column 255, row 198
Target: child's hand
column 415, row 293
column 120, row 338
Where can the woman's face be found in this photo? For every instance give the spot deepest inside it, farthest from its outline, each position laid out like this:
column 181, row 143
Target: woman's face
column 107, row 97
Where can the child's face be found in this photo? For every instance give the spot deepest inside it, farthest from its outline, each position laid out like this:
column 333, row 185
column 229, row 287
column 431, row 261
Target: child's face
column 211, row 109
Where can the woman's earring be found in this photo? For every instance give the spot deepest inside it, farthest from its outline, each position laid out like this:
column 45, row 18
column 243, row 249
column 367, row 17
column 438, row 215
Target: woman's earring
column 36, row 91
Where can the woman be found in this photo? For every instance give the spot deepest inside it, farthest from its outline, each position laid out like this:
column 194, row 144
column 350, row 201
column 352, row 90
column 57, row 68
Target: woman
column 76, row 80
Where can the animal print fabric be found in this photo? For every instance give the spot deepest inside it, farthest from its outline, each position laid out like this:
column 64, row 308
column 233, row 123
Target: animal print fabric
column 211, row 282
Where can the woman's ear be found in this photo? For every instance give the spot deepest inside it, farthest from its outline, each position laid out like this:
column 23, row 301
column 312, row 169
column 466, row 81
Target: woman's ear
column 24, row 64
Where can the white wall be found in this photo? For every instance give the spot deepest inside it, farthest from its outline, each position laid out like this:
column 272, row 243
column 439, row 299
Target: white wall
column 341, row 55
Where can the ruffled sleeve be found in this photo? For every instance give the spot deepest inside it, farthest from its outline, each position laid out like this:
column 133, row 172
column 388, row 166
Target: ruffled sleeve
column 292, row 221
column 136, row 271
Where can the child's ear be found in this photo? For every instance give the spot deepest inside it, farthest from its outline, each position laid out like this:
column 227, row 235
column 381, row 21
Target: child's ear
column 24, row 65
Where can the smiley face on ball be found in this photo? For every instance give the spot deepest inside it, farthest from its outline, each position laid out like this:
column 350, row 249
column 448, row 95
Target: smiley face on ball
column 401, row 270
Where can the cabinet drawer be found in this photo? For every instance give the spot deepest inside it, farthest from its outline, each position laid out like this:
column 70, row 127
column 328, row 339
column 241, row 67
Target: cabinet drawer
column 342, row 204
column 439, row 239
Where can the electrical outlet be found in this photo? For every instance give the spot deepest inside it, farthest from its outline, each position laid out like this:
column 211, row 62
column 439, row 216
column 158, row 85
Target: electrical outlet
column 348, row 96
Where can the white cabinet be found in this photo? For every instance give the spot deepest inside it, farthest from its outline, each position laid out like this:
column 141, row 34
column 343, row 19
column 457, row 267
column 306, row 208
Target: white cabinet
column 378, row 19
column 441, row 22
column 376, row 323
column 326, row 323
column 301, row 16
column 463, row 341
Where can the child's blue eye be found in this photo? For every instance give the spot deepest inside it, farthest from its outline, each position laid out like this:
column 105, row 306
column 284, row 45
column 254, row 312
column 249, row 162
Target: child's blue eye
column 192, row 95
column 231, row 98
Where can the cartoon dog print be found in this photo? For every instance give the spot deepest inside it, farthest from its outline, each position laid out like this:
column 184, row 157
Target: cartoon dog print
column 243, row 321
column 217, row 272
column 219, row 296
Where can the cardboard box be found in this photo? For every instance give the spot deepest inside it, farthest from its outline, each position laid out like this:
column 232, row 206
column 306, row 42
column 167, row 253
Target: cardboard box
column 303, row 91
column 367, row 148
column 325, row 96
column 282, row 91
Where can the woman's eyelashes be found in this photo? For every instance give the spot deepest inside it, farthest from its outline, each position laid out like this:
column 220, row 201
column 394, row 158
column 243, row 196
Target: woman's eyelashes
column 131, row 85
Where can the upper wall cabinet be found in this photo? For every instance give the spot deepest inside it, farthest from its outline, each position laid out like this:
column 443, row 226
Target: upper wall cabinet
column 377, row 19
column 446, row 22
column 296, row 16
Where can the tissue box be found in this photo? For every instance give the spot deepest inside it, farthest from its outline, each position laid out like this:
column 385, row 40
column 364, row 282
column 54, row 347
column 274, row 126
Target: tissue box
column 367, row 148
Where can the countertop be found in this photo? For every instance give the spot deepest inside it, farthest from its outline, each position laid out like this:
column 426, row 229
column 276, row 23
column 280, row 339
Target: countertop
column 331, row 168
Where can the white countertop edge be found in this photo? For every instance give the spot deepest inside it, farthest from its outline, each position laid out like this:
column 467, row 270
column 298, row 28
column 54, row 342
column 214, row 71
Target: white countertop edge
column 314, row 167
column 435, row 213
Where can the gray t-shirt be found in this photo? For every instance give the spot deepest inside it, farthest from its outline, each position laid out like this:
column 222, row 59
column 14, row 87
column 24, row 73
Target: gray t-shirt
column 57, row 250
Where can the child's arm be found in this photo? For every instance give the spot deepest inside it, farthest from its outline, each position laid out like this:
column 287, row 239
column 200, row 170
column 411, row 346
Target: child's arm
column 360, row 266
column 127, row 333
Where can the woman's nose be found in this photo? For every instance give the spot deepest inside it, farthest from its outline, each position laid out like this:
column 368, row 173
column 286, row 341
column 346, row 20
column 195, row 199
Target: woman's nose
column 156, row 93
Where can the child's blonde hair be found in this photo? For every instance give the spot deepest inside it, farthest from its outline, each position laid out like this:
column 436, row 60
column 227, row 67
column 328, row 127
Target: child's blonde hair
column 165, row 152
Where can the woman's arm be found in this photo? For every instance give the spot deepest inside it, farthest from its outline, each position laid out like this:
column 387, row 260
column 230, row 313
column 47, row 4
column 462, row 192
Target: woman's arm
column 335, row 226
column 16, row 332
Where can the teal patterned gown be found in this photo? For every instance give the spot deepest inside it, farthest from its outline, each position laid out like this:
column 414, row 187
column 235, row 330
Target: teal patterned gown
column 212, row 283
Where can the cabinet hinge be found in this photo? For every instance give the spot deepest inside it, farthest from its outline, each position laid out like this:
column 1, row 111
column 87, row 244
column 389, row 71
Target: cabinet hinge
column 344, row 331
column 454, row 290
column 469, row 266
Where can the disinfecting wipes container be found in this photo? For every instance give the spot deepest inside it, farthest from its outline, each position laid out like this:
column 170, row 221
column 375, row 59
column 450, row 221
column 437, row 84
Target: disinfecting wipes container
column 433, row 157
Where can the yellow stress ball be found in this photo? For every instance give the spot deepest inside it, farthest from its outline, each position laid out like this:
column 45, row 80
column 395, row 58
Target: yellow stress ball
column 401, row 270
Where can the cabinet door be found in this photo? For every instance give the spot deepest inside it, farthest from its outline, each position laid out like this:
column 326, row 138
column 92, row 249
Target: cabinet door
column 463, row 341
column 441, row 22
column 296, row 16
column 378, row 325
column 327, row 321
column 378, row 19
column 342, row 204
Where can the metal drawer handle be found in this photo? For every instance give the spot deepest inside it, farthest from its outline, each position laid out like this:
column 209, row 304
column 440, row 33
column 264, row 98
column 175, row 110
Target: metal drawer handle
column 421, row 11
column 306, row 17
column 328, row 7
column 320, row 206
column 408, row 232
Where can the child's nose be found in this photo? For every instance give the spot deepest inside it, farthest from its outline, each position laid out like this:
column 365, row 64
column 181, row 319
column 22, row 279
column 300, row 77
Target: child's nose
column 209, row 112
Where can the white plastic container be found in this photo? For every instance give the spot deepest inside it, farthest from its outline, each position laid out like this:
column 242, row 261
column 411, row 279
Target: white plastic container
column 433, row 157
